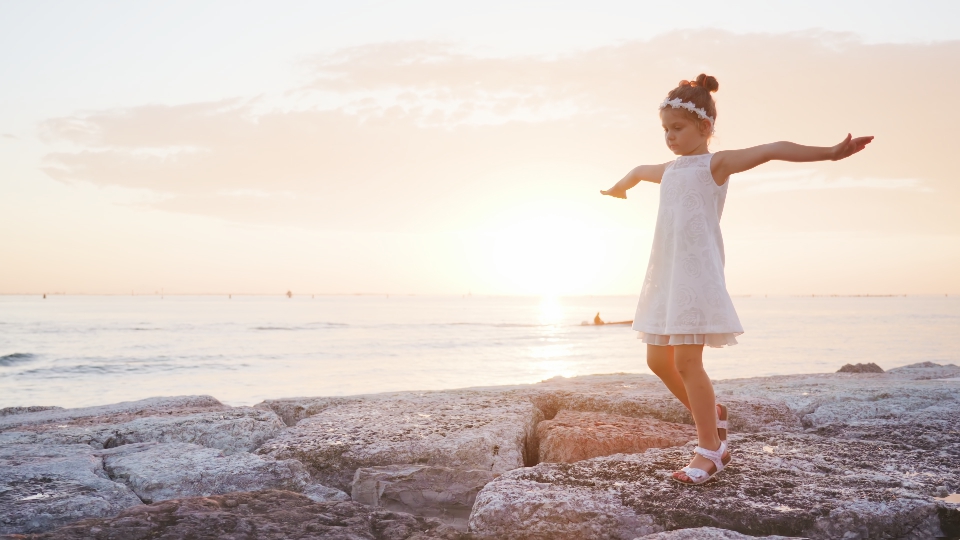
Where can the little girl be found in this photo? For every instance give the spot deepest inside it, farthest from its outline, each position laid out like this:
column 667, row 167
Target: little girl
column 684, row 303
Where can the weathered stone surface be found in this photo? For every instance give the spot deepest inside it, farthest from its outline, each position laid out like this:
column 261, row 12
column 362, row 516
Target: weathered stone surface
column 7, row 411
column 292, row 410
column 779, row 483
column 926, row 370
column 421, row 489
column 860, row 368
column 644, row 396
column 572, row 436
column 45, row 487
column 156, row 472
column 463, row 429
column 707, row 533
column 115, row 413
column 322, row 493
column 230, row 429
column 264, row 515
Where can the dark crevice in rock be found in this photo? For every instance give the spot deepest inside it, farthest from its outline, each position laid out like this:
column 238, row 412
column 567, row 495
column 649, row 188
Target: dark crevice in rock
column 531, row 442
column 949, row 520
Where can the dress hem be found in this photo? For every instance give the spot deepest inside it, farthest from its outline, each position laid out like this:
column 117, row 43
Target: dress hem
column 710, row 340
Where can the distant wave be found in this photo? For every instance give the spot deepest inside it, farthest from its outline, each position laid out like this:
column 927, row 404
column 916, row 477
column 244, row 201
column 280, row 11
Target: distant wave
column 16, row 358
column 312, row 326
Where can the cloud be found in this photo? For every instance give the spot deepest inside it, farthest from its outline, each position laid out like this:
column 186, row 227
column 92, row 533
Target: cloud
column 422, row 136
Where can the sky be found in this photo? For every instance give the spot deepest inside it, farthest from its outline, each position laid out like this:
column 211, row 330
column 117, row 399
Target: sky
column 454, row 148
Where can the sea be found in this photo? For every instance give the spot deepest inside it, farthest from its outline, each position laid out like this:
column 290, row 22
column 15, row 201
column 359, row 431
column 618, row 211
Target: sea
column 77, row 350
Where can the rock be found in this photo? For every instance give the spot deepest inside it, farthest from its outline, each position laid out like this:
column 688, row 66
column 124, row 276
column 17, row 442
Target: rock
column 779, row 483
column 7, row 411
column 236, row 429
column 860, row 368
column 926, row 370
column 572, row 436
column 157, row 472
column 707, row 533
column 263, row 515
column 322, row 493
column 463, row 429
column 420, row 489
column 644, row 396
column 45, row 487
column 115, row 413
column 292, row 410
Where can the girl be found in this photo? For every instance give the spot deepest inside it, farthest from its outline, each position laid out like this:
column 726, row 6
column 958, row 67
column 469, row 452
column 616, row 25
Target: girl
column 684, row 303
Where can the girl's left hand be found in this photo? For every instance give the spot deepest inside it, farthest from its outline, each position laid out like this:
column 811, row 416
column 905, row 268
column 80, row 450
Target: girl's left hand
column 849, row 147
column 615, row 191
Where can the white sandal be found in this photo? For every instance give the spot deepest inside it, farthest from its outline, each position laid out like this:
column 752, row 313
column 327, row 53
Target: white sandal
column 700, row 476
column 722, row 416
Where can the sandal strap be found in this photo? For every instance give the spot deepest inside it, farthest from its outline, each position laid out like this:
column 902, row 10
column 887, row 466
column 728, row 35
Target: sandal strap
column 716, row 456
column 695, row 474
column 721, row 424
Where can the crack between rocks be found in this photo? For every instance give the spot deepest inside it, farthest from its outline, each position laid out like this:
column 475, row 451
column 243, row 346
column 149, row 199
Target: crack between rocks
column 117, row 480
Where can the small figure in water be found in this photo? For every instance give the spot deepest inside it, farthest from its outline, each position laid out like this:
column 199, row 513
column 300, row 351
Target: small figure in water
column 597, row 319
column 289, row 294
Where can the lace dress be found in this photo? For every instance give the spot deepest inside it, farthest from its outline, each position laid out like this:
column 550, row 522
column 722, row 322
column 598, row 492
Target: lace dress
column 684, row 299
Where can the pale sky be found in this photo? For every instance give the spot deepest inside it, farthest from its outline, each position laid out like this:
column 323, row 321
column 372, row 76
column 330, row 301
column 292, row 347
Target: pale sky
column 446, row 148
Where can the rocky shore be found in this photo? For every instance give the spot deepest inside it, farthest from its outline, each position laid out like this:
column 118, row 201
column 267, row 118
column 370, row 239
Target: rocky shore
column 852, row 455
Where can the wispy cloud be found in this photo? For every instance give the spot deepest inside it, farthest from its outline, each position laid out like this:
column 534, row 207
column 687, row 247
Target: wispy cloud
column 425, row 135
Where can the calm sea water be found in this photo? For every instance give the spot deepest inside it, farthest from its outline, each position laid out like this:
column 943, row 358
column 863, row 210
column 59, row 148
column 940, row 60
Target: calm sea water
column 86, row 350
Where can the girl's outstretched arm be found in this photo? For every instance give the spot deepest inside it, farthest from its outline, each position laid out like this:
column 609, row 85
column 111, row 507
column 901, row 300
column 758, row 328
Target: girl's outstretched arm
column 650, row 173
column 729, row 162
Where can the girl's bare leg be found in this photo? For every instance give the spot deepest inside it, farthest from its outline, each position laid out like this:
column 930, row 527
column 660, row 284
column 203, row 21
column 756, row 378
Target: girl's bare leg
column 660, row 361
column 688, row 360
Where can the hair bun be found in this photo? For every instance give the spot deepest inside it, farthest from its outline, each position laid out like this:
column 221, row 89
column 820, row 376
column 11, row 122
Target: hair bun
column 707, row 81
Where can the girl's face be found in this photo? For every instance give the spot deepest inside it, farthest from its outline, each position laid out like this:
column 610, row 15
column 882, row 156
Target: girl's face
column 683, row 135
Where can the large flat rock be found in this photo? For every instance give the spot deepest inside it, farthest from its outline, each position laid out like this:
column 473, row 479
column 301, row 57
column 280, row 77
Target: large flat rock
column 235, row 429
column 109, row 414
column 572, row 436
column 264, row 515
column 644, row 396
column 707, row 533
column 156, row 472
column 46, row 487
column 464, row 429
column 779, row 483
column 440, row 492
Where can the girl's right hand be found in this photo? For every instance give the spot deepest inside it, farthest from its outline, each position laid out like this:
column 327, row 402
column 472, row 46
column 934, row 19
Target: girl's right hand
column 615, row 191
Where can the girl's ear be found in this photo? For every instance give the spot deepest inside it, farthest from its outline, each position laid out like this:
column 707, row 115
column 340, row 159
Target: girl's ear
column 705, row 126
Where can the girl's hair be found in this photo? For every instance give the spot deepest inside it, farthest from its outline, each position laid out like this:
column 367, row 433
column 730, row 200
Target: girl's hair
column 698, row 92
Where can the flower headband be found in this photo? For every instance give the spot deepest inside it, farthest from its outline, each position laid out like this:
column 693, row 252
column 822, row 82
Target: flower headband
column 678, row 103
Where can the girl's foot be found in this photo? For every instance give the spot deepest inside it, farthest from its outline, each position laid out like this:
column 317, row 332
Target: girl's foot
column 722, row 421
column 705, row 465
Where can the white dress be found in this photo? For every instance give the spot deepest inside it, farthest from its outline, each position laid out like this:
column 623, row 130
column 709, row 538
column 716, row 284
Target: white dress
column 684, row 300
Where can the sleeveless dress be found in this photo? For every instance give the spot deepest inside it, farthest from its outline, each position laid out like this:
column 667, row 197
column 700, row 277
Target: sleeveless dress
column 684, row 299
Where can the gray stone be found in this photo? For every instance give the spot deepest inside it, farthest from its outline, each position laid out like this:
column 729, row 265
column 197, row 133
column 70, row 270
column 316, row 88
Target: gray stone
column 261, row 515
column 926, row 370
column 292, row 410
column 322, row 493
column 463, row 429
column 230, row 429
column 45, row 487
column 114, row 413
column 421, row 489
column 707, row 533
column 8, row 411
column 644, row 396
column 860, row 368
column 156, row 472
column 779, row 483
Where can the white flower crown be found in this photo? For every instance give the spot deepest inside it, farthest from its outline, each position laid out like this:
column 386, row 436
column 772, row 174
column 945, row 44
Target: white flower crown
column 678, row 103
